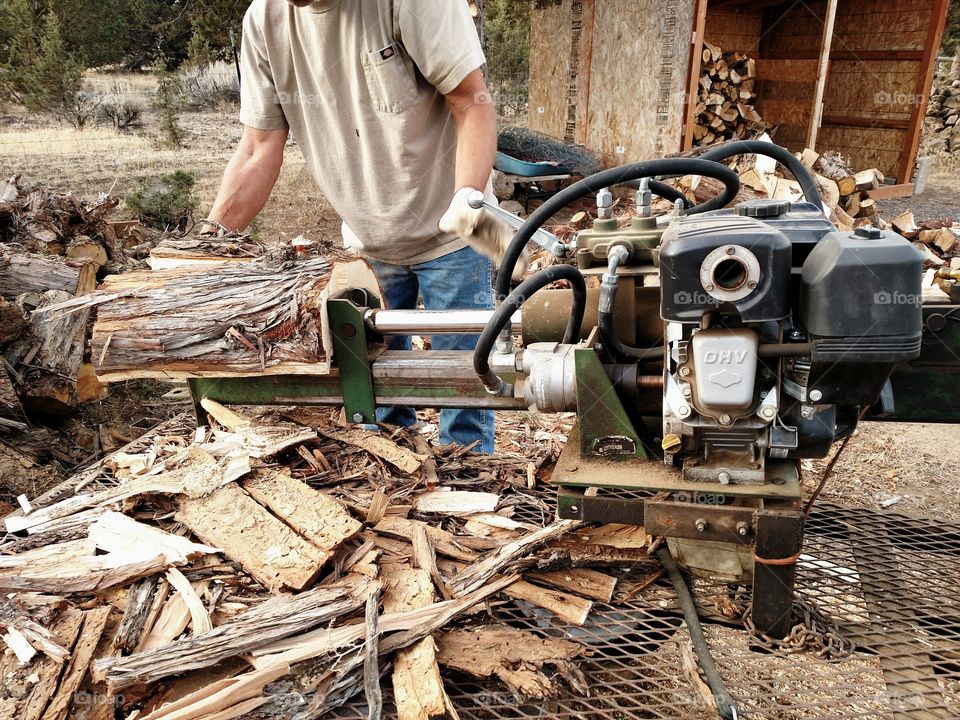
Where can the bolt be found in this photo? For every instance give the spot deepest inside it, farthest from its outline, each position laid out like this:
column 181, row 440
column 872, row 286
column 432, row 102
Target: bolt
column 724, row 477
column 768, row 412
column 752, row 284
column 725, row 419
column 708, row 287
column 684, row 371
column 683, row 411
column 742, row 529
column 795, row 334
column 358, row 417
column 686, row 391
column 806, row 412
column 816, row 395
column 700, row 524
column 575, row 509
column 731, row 250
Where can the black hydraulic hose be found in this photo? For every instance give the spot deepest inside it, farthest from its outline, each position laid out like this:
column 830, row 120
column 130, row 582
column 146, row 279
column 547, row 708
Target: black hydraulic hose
column 607, row 178
column 608, row 296
column 783, row 156
column 724, row 702
column 506, row 309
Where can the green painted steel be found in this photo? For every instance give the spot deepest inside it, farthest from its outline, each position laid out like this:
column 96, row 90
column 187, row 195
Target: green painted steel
column 605, row 428
column 351, row 353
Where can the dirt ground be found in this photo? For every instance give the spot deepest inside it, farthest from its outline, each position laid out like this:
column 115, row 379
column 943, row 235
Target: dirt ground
column 906, row 467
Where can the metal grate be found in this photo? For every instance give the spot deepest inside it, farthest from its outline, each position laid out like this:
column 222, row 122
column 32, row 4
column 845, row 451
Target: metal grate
column 890, row 582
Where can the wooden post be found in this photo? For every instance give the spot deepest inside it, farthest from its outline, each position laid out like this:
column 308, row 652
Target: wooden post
column 587, row 18
column 693, row 79
column 823, row 70
column 921, row 92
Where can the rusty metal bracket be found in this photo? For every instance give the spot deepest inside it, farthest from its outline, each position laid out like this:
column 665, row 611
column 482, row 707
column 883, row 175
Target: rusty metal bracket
column 716, row 522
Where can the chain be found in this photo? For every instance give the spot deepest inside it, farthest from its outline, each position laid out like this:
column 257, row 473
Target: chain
column 812, row 632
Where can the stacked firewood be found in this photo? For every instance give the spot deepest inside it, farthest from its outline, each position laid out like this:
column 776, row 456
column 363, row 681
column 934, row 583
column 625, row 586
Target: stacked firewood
column 725, row 98
column 942, row 125
column 272, row 562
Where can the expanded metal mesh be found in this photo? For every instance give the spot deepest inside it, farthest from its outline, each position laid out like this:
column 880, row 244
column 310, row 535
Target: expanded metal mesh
column 890, row 583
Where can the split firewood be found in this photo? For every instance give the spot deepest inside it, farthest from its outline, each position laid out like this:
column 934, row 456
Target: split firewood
column 905, row 224
column 569, row 608
column 456, row 502
column 417, row 687
column 944, row 239
column 192, row 472
column 46, row 671
column 442, row 541
column 371, row 656
column 14, row 618
column 868, row 179
column 582, row 581
column 516, row 657
column 132, row 550
column 273, row 619
column 868, row 208
column 248, row 534
column 509, row 557
column 260, row 438
column 725, row 99
column 316, row 516
column 384, row 448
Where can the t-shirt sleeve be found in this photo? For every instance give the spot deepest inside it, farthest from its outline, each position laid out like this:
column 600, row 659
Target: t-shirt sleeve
column 441, row 39
column 259, row 101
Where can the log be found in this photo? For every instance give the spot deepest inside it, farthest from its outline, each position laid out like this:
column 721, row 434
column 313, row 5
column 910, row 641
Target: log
column 271, row 620
column 417, row 687
column 238, row 319
column 516, row 657
column 22, row 272
column 868, row 179
column 868, row 208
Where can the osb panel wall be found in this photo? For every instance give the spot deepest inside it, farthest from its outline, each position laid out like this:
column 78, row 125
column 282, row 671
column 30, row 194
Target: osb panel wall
column 733, row 30
column 550, row 38
column 865, row 147
column 641, row 53
column 638, row 72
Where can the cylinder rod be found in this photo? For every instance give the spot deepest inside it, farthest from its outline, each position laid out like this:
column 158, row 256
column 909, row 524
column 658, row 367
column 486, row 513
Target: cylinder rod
column 432, row 322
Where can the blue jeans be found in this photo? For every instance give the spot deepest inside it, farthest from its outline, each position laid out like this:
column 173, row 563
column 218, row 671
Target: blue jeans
column 462, row 279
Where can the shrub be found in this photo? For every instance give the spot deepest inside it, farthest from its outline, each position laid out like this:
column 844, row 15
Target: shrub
column 210, row 87
column 123, row 114
column 167, row 103
column 167, row 204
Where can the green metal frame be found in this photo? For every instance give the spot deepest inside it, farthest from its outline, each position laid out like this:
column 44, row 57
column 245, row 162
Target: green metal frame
column 351, row 351
column 605, row 428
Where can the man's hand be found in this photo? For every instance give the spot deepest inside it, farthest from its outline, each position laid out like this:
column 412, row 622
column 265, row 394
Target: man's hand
column 486, row 234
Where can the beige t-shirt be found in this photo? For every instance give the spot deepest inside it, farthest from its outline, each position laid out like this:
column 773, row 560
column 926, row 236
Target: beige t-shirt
column 360, row 83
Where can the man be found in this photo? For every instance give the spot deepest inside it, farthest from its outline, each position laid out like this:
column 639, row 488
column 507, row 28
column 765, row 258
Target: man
column 387, row 101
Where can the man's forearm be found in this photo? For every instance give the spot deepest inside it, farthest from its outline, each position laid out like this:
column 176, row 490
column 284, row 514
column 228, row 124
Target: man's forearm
column 246, row 185
column 476, row 145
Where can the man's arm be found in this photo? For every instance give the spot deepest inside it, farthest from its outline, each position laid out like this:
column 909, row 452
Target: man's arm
column 249, row 178
column 476, row 120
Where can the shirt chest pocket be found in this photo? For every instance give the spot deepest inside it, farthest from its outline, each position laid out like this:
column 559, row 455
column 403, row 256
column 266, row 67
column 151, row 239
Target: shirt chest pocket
column 391, row 83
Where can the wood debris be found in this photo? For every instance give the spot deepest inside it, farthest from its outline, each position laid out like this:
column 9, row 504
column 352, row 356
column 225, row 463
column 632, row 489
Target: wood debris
column 222, row 571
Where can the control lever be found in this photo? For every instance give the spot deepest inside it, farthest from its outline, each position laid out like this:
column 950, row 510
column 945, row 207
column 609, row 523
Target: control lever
column 550, row 242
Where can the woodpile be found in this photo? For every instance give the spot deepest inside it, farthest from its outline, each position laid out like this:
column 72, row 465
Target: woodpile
column 276, row 561
column 726, row 98
column 942, row 124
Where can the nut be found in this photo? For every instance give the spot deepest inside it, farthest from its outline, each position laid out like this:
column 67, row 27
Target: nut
column 742, row 529
column 816, row 395
column 700, row 524
column 724, row 477
column 358, row 417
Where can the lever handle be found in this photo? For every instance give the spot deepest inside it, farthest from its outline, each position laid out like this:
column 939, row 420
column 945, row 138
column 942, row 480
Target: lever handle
column 550, row 242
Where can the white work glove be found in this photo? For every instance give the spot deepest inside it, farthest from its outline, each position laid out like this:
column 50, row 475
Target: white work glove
column 486, row 234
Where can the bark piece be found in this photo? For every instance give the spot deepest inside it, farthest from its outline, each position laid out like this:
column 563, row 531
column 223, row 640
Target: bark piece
column 14, row 617
column 582, row 581
column 508, row 557
column 49, row 671
column 139, row 600
column 371, row 657
column 260, row 438
column 94, row 622
column 315, row 515
column 273, row 619
column 405, row 460
column 514, row 656
column 417, row 686
column 442, row 541
column 266, row 548
column 569, row 608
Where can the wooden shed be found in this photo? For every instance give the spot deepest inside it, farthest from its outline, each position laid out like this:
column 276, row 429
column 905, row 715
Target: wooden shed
column 846, row 75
